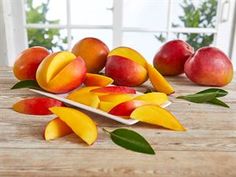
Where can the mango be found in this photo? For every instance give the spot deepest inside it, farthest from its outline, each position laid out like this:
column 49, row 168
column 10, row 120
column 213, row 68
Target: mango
column 153, row 114
column 124, row 71
column 97, row 80
column 56, row 128
column 61, row 72
column 153, row 98
column 36, row 105
column 113, row 90
column 81, row 124
column 158, row 81
column 93, row 51
column 26, row 64
column 89, row 99
column 126, row 108
column 106, row 106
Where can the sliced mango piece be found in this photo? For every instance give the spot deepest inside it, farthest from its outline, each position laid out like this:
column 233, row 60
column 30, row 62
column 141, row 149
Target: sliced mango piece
column 156, row 115
column 114, row 90
column 81, row 124
column 56, row 128
column 153, row 98
column 80, row 91
column 107, row 106
column 119, row 98
column 130, row 54
column 97, row 80
column 158, row 81
column 126, row 108
column 36, row 105
column 89, row 99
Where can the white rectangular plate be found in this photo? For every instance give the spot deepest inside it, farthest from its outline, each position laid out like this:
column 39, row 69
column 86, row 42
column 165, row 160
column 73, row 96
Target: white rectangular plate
column 62, row 98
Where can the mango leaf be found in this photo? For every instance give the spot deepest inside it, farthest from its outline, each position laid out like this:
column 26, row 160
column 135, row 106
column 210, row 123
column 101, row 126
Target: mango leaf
column 130, row 140
column 218, row 102
column 219, row 92
column 26, row 84
column 207, row 96
column 200, row 97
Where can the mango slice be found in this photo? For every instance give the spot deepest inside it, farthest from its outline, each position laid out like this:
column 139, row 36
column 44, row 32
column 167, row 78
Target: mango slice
column 158, row 81
column 89, row 99
column 153, row 98
column 80, row 91
column 81, row 124
column 157, row 116
column 36, row 105
column 56, row 128
column 97, row 80
column 114, row 90
column 107, row 106
column 126, row 108
column 119, row 98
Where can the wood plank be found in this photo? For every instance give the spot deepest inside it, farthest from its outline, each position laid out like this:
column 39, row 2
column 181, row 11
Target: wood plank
column 115, row 163
column 31, row 136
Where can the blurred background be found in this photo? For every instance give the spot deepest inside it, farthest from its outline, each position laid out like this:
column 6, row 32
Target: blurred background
column 141, row 24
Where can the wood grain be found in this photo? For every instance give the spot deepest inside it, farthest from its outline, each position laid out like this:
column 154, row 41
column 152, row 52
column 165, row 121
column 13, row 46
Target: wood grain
column 207, row 149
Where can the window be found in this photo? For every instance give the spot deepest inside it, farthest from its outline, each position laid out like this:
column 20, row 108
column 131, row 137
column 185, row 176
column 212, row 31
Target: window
column 141, row 24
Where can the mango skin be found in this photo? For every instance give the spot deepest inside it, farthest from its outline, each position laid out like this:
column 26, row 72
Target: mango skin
column 36, row 105
column 209, row 66
column 125, row 72
column 27, row 62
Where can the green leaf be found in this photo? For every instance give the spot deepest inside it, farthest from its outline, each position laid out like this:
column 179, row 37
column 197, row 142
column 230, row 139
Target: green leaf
column 207, row 96
column 218, row 102
column 219, row 92
column 26, row 84
column 130, row 140
column 199, row 97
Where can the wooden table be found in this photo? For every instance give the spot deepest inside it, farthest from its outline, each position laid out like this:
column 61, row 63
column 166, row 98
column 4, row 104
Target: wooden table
column 207, row 149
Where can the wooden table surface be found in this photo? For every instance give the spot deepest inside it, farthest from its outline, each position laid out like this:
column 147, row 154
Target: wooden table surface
column 207, row 149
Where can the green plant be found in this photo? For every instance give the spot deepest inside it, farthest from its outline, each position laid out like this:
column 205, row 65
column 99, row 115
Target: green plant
column 201, row 16
column 49, row 38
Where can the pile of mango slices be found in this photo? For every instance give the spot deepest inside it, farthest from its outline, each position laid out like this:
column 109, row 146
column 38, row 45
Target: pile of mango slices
column 98, row 93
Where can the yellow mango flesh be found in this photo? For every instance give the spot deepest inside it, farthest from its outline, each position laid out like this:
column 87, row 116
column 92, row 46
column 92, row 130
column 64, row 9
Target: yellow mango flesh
column 81, row 124
column 130, row 54
column 158, row 81
column 157, row 116
column 153, row 98
column 80, row 91
column 53, row 63
column 97, row 80
column 56, row 128
column 89, row 99
column 119, row 98
column 107, row 106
